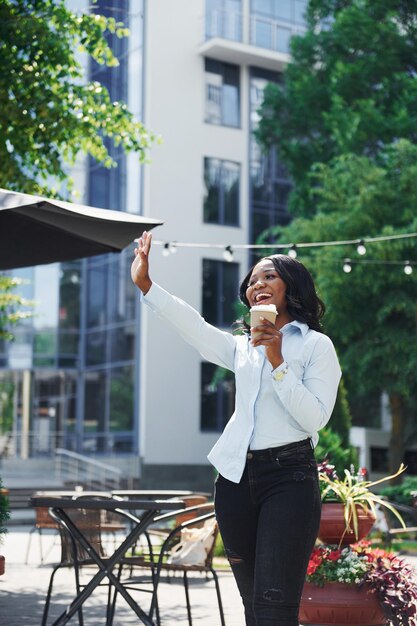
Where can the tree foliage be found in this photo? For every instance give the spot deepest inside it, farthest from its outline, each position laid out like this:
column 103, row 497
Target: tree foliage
column 345, row 124
column 49, row 113
column 351, row 87
column 4, row 510
column 331, row 448
column 341, row 420
column 371, row 311
column 13, row 307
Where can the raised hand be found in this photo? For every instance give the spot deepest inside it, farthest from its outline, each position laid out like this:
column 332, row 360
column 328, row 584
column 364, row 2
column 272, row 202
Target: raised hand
column 140, row 266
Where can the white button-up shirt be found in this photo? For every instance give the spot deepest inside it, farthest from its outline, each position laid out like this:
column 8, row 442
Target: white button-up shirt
column 271, row 409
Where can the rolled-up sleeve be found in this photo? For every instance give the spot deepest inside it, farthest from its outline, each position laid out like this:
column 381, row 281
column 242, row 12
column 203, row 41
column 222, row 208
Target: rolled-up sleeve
column 310, row 400
column 213, row 344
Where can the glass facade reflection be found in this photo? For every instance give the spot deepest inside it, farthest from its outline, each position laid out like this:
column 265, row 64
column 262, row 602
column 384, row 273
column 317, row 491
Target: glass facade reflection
column 224, row 19
column 270, row 184
column 219, row 292
column 222, row 192
column 270, row 23
column 222, row 93
column 69, row 378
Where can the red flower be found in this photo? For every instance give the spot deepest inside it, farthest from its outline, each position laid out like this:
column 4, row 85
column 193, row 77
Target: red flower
column 334, row 555
column 313, row 564
column 316, row 559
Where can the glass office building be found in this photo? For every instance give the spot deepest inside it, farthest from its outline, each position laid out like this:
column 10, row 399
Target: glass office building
column 70, row 377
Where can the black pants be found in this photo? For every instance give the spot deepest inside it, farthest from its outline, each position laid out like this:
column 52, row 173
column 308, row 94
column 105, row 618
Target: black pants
column 269, row 523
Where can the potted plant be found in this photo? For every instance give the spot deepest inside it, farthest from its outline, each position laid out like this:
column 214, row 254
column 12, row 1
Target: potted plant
column 358, row 585
column 349, row 505
column 4, row 516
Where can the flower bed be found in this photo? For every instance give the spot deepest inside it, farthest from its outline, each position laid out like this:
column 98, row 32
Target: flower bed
column 393, row 581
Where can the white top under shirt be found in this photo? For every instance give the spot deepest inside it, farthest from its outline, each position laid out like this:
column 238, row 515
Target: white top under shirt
column 268, row 412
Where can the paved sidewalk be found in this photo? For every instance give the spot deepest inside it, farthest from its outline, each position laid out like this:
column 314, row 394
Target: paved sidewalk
column 23, row 589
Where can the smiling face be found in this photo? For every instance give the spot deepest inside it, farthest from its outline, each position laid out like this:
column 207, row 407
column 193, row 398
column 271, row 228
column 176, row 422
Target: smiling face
column 266, row 287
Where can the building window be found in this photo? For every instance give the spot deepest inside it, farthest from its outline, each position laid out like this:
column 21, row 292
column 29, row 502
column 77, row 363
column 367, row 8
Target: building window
column 217, row 397
column 224, row 19
column 379, row 459
column 410, row 460
column 220, row 292
column 273, row 22
column 222, row 93
column 270, row 184
column 221, row 200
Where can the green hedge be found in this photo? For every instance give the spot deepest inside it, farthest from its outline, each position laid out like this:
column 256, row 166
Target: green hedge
column 401, row 493
column 330, row 447
column 4, row 510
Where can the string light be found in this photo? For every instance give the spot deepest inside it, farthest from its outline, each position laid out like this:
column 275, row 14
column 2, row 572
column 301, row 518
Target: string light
column 228, row 251
column 360, row 243
column 292, row 252
column 361, row 249
column 228, row 254
column 408, row 268
column 347, row 267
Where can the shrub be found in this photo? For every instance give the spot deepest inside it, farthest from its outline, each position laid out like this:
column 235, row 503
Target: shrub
column 402, row 493
column 330, row 448
column 4, row 510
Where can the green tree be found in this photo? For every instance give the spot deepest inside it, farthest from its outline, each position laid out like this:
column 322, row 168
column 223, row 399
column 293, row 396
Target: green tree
column 346, row 101
column 4, row 510
column 49, row 113
column 371, row 310
column 341, row 420
column 351, row 88
column 331, row 448
column 13, row 308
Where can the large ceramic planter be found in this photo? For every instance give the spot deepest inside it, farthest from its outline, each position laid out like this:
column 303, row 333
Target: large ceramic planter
column 1, row 565
column 340, row 604
column 332, row 524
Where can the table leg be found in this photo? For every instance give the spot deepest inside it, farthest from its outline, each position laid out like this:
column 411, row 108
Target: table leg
column 105, row 567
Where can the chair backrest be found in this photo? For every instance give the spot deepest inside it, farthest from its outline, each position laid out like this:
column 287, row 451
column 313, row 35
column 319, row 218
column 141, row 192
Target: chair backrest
column 89, row 523
column 193, row 539
column 408, row 513
column 190, row 502
column 43, row 519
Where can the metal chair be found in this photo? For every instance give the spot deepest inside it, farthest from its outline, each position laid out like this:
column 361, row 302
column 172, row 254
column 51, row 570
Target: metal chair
column 393, row 529
column 43, row 521
column 158, row 558
column 72, row 554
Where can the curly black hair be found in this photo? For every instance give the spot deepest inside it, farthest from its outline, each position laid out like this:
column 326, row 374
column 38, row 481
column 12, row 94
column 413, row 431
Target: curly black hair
column 303, row 303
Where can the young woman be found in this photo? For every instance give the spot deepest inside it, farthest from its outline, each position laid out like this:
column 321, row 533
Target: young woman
column 267, row 497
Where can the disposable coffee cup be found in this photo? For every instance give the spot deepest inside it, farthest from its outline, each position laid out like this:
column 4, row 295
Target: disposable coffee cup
column 267, row 311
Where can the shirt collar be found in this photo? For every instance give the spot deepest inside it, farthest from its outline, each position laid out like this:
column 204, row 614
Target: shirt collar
column 303, row 328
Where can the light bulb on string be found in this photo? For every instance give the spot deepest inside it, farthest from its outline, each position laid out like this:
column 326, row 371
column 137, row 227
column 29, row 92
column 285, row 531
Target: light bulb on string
column 173, row 247
column 408, row 268
column 347, row 267
column 292, row 252
column 165, row 250
column 228, row 254
column 361, row 249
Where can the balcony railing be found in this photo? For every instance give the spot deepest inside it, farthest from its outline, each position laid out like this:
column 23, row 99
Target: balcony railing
column 262, row 32
column 78, row 468
column 33, row 444
column 224, row 24
column 42, row 443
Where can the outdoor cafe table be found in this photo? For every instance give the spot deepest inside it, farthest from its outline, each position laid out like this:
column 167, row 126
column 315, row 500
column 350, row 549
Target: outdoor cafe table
column 156, row 493
column 148, row 509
